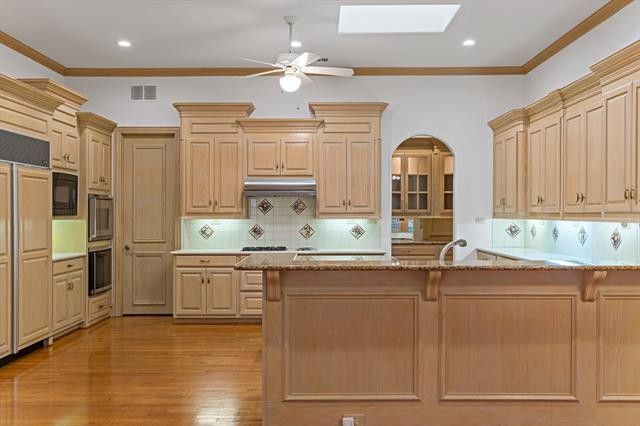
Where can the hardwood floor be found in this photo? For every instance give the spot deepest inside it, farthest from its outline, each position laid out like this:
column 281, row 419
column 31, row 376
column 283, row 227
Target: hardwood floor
column 139, row 370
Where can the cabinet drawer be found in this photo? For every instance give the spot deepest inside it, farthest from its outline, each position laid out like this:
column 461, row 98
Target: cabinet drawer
column 251, row 280
column 415, row 250
column 100, row 306
column 206, row 261
column 250, row 303
column 69, row 265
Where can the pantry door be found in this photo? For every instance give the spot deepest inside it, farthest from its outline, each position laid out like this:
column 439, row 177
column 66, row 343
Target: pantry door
column 147, row 211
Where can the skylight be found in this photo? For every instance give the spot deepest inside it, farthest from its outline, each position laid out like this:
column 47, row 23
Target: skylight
column 394, row 19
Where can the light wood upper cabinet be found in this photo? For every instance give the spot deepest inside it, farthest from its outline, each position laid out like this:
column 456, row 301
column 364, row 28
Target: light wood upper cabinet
column 34, row 255
column 6, row 299
column 199, row 175
column 332, row 177
column 263, row 155
column 279, row 154
column 228, row 180
column 96, row 151
column 412, row 183
column 296, row 155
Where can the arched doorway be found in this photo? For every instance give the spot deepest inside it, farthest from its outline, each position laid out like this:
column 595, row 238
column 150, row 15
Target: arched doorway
column 422, row 197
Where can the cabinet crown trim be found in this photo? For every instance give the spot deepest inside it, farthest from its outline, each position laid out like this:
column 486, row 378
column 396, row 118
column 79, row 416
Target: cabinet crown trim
column 332, row 109
column 581, row 89
column 509, row 119
column 280, row 125
column 52, row 87
column 618, row 65
column 209, row 109
column 89, row 119
column 27, row 93
column 548, row 105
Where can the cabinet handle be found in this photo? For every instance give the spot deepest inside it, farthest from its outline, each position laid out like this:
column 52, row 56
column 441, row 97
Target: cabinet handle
column 208, row 279
column 209, row 202
column 72, row 286
column 577, row 197
column 581, row 197
column 277, row 166
column 282, row 166
column 215, row 203
column 202, row 279
column 205, row 260
column 626, row 193
column 633, row 193
column 349, row 203
column 343, row 203
column 69, row 265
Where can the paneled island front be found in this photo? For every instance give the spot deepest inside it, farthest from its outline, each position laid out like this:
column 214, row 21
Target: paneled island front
column 418, row 343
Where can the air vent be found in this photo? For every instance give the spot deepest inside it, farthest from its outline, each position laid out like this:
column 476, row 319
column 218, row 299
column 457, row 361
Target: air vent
column 143, row 93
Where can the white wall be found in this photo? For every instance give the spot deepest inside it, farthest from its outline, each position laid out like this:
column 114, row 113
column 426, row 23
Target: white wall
column 574, row 61
column 454, row 109
column 16, row 65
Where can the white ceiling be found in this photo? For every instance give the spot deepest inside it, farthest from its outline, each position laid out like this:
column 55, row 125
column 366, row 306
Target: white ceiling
column 197, row 33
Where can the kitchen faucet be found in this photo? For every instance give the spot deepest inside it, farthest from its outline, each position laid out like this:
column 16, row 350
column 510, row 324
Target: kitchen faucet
column 459, row 242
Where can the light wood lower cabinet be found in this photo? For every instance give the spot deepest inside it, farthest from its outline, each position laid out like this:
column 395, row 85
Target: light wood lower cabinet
column 6, row 294
column 209, row 287
column 68, row 294
column 98, row 308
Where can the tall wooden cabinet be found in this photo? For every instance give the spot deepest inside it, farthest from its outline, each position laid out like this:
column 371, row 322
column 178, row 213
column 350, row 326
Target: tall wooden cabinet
column 509, row 163
column 64, row 137
column 212, row 154
column 95, row 148
column 6, row 291
column 349, row 159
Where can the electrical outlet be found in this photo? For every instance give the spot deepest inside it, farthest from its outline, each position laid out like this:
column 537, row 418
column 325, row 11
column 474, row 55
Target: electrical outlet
column 358, row 419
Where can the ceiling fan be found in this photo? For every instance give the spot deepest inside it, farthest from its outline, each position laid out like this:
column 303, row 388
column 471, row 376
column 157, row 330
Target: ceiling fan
column 296, row 66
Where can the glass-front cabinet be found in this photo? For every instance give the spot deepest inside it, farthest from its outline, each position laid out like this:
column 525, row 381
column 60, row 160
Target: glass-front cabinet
column 446, row 201
column 411, row 182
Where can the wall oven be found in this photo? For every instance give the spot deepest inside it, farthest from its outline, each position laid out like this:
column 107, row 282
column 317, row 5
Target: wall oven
column 100, row 217
column 65, row 194
column 99, row 270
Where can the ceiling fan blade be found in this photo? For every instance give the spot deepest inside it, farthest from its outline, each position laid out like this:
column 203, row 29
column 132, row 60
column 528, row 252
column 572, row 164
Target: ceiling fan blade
column 302, row 76
column 262, row 73
column 260, row 62
column 305, row 59
column 338, row 72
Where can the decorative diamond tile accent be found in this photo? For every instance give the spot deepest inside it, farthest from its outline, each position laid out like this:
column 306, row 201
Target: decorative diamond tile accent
column 357, row 232
column 256, row 231
column 582, row 236
column 533, row 231
column 206, row 232
column 265, row 206
column 306, row 231
column 512, row 230
column 555, row 234
column 298, row 206
column 616, row 239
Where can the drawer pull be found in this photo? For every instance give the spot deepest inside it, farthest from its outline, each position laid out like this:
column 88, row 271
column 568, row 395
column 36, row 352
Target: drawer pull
column 69, row 265
column 205, row 260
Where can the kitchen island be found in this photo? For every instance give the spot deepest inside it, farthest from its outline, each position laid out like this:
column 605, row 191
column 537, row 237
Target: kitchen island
column 459, row 343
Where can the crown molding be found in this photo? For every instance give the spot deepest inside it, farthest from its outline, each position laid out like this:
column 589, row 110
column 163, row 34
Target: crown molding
column 581, row 89
column 54, row 88
column 89, row 119
column 25, row 92
column 509, row 119
column 267, row 125
column 595, row 19
column 214, row 109
column 618, row 65
column 548, row 105
column 351, row 109
column 592, row 21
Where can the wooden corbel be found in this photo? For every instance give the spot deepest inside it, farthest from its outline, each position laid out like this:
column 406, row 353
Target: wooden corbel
column 273, row 286
column 432, row 285
column 590, row 280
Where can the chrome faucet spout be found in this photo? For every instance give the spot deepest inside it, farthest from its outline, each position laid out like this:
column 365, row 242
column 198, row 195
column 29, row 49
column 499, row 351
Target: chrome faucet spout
column 460, row 242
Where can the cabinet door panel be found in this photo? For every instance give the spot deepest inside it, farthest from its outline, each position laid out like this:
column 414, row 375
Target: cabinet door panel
column 6, row 299
column 498, row 175
column 221, row 292
column 419, row 178
column 574, row 161
column 106, row 164
column 70, row 148
column 511, row 174
column 595, row 158
column 76, row 297
column 551, row 175
column 332, row 183
column 397, row 185
column 536, row 182
column 5, row 310
column 636, row 143
column 263, row 155
column 618, row 152
column 190, row 291
column 199, row 175
column 361, row 185
column 61, row 289
column 55, row 145
column 228, row 182
column 297, row 156
column 94, row 168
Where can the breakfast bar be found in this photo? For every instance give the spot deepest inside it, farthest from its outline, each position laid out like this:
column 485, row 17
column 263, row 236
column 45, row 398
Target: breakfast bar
column 391, row 342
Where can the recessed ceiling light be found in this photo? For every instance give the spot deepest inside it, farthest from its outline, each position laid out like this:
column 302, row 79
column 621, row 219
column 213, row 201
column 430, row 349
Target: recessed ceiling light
column 390, row 19
column 124, row 43
column 296, row 43
column 469, row 42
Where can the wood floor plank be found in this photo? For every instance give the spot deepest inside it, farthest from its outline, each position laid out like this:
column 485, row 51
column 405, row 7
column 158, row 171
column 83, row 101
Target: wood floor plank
column 139, row 370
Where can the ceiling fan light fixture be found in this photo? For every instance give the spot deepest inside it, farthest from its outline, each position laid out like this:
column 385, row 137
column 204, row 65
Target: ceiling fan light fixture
column 290, row 82
column 296, row 43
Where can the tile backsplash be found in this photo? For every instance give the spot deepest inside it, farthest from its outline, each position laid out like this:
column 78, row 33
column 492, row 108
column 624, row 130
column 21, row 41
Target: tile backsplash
column 69, row 236
column 281, row 221
column 602, row 241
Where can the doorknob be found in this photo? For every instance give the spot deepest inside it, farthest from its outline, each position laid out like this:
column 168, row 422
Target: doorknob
column 127, row 247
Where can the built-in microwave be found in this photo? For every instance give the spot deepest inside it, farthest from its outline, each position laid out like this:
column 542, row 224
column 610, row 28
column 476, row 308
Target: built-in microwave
column 64, row 194
column 100, row 217
column 99, row 270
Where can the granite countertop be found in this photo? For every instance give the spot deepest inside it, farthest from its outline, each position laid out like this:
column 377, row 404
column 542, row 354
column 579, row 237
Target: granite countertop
column 400, row 241
column 293, row 262
column 66, row 256
column 239, row 252
column 540, row 255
